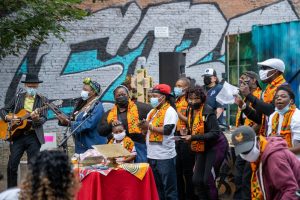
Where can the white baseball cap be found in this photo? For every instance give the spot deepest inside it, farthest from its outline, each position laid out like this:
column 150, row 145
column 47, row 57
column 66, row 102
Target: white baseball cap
column 210, row 72
column 274, row 63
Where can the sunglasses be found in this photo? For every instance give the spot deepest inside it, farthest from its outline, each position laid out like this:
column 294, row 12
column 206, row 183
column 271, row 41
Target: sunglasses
column 241, row 82
column 263, row 67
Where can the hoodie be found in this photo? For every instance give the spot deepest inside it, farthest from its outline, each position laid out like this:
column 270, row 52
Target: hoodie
column 279, row 171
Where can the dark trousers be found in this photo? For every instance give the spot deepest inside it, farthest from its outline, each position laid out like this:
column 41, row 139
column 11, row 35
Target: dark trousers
column 165, row 178
column 242, row 179
column 185, row 161
column 207, row 168
column 22, row 143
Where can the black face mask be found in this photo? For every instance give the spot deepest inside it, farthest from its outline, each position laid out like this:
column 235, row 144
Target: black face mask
column 122, row 101
column 195, row 106
column 207, row 80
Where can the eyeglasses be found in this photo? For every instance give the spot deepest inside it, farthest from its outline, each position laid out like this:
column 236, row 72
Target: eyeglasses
column 87, row 81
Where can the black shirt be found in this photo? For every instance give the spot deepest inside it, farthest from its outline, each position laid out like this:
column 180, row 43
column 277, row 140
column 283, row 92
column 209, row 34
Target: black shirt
column 211, row 128
column 105, row 129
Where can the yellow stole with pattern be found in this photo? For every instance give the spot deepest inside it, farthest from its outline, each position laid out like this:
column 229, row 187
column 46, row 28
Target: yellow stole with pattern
column 132, row 117
column 181, row 106
column 127, row 143
column 248, row 122
column 268, row 96
column 286, row 125
column 256, row 193
column 157, row 117
column 196, row 127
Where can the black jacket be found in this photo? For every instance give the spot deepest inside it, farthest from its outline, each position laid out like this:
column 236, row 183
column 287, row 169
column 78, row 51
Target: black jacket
column 260, row 107
column 212, row 130
column 104, row 128
column 38, row 103
column 252, row 114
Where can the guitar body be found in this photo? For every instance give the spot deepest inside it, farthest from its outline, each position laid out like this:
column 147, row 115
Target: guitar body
column 24, row 124
column 17, row 127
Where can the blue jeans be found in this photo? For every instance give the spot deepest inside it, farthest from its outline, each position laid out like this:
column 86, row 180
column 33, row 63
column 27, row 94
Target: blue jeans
column 165, row 178
column 141, row 151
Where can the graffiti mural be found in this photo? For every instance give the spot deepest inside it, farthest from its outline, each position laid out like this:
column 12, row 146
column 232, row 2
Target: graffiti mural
column 105, row 46
column 282, row 41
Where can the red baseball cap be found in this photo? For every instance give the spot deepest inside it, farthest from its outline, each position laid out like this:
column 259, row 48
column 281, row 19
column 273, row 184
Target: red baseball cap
column 162, row 88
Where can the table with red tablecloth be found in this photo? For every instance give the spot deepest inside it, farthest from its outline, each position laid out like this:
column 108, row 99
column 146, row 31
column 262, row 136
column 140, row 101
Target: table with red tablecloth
column 118, row 185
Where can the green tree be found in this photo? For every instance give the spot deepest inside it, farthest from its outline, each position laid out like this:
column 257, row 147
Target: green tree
column 25, row 23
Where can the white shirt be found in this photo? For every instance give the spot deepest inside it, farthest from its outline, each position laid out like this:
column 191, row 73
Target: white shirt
column 295, row 126
column 166, row 149
column 10, row 194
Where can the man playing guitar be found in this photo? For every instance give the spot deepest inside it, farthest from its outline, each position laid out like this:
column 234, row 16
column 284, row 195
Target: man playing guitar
column 31, row 137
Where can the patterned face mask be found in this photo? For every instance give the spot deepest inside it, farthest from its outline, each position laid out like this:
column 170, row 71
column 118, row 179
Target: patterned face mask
column 31, row 91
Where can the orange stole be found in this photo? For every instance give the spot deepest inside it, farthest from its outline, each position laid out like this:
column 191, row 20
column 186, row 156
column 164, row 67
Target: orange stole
column 256, row 193
column 248, row 122
column 286, row 125
column 127, row 143
column 132, row 117
column 181, row 106
column 268, row 96
column 157, row 117
column 197, row 128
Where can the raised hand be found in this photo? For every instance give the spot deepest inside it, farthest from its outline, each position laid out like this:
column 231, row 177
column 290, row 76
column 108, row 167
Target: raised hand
column 63, row 120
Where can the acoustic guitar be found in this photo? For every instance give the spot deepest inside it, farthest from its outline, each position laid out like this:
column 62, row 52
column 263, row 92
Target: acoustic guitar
column 11, row 129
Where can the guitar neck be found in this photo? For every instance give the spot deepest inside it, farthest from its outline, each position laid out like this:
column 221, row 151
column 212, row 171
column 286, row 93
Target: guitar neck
column 37, row 110
column 42, row 109
column 56, row 110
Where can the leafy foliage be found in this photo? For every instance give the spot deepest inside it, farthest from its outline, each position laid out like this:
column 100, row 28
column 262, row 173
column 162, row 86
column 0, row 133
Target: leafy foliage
column 25, row 23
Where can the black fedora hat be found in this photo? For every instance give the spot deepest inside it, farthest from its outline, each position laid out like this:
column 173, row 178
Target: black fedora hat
column 32, row 78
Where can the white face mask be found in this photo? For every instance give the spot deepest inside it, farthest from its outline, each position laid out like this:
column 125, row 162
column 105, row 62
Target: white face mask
column 119, row 136
column 253, row 155
column 84, row 95
column 283, row 110
column 263, row 74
